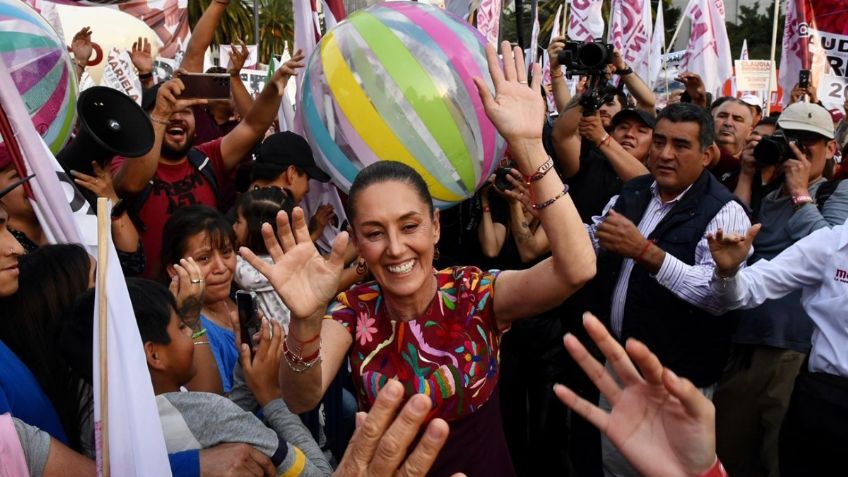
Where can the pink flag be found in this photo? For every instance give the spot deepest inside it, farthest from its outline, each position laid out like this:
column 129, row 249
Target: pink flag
column 586, row 22
column 708, row 52
column 489, row 20
column 630, row 32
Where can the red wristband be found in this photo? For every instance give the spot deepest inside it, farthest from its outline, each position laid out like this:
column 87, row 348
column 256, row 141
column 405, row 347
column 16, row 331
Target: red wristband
column 644, row 249
column 717, row 470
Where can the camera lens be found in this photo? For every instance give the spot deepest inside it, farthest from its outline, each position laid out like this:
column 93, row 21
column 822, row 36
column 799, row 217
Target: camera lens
column 771, row 151
column 592, row 55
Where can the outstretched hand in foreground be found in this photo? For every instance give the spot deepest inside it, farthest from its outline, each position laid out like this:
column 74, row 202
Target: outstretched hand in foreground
column 382, row 437
column 659, row 422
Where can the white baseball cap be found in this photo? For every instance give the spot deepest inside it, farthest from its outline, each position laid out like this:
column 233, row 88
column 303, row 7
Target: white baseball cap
column 809, row 117
column 752, row 100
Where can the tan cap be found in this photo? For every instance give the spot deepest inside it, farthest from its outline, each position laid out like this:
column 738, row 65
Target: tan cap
column 809, row 117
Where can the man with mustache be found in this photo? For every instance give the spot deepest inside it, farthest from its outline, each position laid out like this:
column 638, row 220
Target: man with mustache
column 175, row 172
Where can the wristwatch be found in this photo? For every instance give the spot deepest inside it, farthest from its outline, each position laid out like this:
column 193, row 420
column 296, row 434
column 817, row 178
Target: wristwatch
column 624, row 72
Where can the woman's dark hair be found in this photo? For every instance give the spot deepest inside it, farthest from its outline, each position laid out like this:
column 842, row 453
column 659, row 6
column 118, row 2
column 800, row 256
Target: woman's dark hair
column 187, row 222
column 152, row 304
column 388, row 171
column 51, row 279
column 259, row 206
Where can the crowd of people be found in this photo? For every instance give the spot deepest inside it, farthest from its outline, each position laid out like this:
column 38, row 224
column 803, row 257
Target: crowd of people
column 642, row 291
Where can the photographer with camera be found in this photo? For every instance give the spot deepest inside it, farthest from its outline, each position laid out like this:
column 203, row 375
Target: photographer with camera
column 772, row 340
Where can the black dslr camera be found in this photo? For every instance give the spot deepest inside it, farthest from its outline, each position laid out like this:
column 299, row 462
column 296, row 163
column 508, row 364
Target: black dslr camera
column 585, row 57
column 589, row 58
column 774, row 149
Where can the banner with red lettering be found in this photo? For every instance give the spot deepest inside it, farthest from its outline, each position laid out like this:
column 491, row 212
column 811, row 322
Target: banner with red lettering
column 815, row 37
column 120, row 74
column 586, row 22
column 708, row 51
column 630, row 32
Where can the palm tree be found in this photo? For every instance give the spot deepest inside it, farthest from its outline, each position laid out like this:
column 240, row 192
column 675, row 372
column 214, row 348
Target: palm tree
column 276, row 27
column 276, row 24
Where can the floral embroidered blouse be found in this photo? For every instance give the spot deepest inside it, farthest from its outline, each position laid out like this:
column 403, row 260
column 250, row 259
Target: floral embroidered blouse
column 450, row 353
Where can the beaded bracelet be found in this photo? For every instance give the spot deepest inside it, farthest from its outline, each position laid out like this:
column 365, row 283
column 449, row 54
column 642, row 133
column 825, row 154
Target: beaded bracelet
column 550, row 201
column 607, row 138
column 540, row 172
column 300, row 364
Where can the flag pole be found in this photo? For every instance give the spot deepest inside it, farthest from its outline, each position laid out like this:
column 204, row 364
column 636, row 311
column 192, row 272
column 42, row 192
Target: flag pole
column 773, row 47
column 676, row 32
column 563, row 26
column 103, row 226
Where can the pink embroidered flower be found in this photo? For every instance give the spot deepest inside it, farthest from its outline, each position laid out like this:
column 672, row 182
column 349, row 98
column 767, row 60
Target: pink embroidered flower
column 365, row 328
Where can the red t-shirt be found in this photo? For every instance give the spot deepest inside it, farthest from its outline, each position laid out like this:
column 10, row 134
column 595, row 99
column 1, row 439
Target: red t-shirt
column 174, row 186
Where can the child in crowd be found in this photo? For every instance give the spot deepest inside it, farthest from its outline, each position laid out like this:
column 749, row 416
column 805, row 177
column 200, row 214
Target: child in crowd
column 253, row 209
column 199, row 420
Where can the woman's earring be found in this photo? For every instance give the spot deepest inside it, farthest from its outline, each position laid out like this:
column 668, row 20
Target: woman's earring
column 436, row 254
column 361, row 267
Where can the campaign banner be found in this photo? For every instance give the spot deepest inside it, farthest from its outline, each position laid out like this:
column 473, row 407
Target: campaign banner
column 119, row 73
column 815, row 37
column 753, row 75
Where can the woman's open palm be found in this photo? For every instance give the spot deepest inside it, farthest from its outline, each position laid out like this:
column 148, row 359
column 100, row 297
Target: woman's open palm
column 301, row 276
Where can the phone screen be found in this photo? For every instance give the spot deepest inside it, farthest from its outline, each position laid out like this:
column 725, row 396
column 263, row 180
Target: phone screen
column 208, row 86
column 248, row 319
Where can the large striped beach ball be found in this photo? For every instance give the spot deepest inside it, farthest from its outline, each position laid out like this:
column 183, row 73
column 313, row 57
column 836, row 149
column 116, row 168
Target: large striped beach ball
column 394, row 82
column 40, row 66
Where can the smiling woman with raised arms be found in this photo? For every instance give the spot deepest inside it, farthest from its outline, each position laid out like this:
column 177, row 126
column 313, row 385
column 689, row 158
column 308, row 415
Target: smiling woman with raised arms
column 437, row 332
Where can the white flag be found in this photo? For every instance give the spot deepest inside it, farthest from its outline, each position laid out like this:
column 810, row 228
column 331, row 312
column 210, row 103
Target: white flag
column 489, row 20
column 136, row 444
column 586, row 22
column 657, row 47
column 743, row 55
column 802, row 49
column 630, row 32
column 708, row 52
column 329, row 18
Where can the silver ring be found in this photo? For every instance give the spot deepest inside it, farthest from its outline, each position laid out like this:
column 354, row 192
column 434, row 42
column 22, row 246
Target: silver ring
column 522, row 82
column 196, row 281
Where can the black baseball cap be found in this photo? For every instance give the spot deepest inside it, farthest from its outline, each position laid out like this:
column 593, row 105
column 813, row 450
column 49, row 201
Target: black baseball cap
column 642, row 116
column 289, row 149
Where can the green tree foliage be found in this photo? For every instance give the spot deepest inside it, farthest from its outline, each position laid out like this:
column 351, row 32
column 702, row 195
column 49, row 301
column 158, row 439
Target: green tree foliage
column 276, row 24
column 757, row 29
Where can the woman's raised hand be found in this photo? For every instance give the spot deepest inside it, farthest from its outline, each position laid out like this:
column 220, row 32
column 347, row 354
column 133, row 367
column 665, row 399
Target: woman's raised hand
column 516, row 110
column 301, row 276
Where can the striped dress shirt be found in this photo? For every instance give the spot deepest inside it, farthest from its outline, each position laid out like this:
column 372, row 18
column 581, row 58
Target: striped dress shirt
column 690, row 283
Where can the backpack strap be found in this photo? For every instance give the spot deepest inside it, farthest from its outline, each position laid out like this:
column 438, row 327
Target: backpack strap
column 199, row 161
column 824, row 192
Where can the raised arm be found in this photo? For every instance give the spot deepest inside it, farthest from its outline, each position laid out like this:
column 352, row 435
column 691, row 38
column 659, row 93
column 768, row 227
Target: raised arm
column 566, row 139
column 517, row 112
column 645, row 99
column 238, row 142
column 315, row 347
column 202, row 35
column 241, row 96
column 562, row 95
